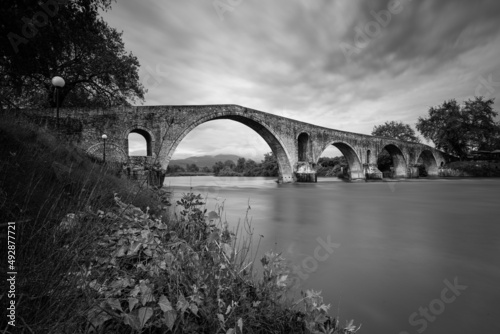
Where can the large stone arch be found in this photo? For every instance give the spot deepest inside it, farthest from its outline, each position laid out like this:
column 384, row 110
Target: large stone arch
column 278, row 148
column 429, row 162
column 143, row 131
column 398, row 160
column 353, row 160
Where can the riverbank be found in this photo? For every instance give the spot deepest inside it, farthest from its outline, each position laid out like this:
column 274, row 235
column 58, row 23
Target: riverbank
column 188, row 174
column 96, row 252
column 471, row 169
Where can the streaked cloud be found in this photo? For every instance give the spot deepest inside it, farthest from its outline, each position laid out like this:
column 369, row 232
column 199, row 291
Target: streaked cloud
column 285, row 57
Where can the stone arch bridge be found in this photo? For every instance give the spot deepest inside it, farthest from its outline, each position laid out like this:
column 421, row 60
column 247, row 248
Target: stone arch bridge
column 297, row 145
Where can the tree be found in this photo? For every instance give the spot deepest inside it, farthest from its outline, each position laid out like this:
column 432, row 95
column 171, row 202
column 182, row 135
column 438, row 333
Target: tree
column 192, row 168
column 219, row 165
column 458, row 129
column 483, row 133
column 330, row 166
column 250, row 164
column 270, row 165
column 397, row 130
column 175, row 169
column 42, row 39
column 251, row 168
column 230, row 164
column 240, row 165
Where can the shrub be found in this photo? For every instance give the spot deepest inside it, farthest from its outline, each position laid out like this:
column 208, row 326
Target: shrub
column 476, row 168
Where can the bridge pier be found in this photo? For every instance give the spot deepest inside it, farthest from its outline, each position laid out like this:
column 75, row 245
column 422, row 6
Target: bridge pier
column 306, row 172
column 371, row 172
column 286, row 178
column 357, row 175
column 413, row 172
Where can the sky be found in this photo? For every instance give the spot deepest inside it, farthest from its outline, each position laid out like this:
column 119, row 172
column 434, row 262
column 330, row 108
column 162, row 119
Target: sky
column 342, row 64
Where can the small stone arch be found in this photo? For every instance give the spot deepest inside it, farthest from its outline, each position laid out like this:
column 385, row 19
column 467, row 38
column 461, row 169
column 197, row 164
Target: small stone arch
column 398, row 160
column 353, row 160
column 429, row 162
column 368, row 156
column 114, row 153
column 303, row 144
column 146, row 133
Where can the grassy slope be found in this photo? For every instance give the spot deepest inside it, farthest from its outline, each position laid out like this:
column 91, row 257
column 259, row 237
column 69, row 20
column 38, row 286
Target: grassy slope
column 187, row 274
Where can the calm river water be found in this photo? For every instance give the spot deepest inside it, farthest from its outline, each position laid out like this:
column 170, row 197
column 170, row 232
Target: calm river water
column 406, row 257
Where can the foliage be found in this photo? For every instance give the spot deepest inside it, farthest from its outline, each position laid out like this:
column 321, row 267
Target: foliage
column 475, row 168
column 192, row 168
column 175, row 169
column 186, row 276
column 42, row 39
column 459, row 129
column 268, row 167
column 227, row 171
column 243, row 167
column 219, row 165
column 397, row 130
column 41, row 180
column 229, row 164
column 331, row 166
column 240, row 165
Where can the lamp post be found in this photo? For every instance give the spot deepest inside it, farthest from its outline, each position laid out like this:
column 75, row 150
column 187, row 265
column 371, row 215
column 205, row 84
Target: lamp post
column 58, row 83
column 104, row 137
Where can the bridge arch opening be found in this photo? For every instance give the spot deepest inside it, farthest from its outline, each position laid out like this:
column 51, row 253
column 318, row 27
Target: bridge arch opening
column 428, row 163
column 281, row 156
column 303, row 146
column 391, row 162
column 139, row 143
column 346, row 165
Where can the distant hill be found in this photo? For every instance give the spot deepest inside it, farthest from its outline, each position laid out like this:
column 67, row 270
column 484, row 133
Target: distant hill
column 204, row 161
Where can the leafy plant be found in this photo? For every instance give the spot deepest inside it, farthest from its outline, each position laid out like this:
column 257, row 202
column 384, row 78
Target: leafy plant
column 187, row 275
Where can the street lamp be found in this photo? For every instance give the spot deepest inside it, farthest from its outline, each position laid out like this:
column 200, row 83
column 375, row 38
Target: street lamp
column 104, row 137
column 58, row 83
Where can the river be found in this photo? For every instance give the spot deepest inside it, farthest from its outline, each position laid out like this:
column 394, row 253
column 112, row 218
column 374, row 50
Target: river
column 404, row 257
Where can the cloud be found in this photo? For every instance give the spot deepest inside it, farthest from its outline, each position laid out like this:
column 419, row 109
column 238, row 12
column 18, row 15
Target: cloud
column 284, row 57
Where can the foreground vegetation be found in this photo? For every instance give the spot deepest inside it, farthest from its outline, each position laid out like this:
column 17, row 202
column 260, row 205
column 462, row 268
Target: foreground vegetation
column 99, row 254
